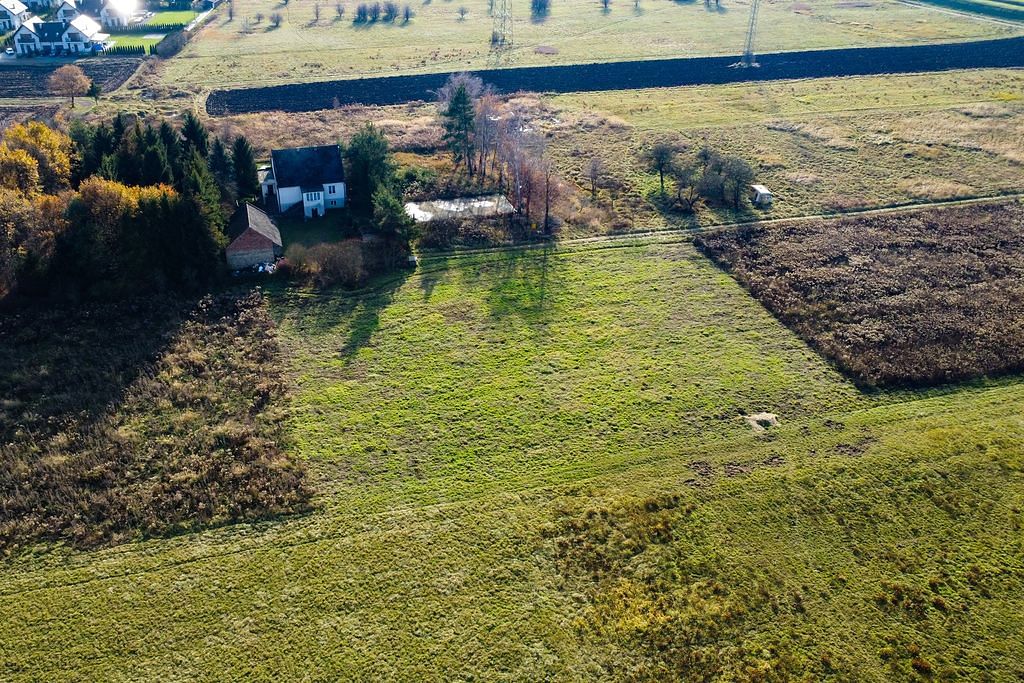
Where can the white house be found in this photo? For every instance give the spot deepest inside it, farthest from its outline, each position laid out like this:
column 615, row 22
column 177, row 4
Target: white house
column 108, row 13
column 13, row 13
column 80, row 35
column 312, row 176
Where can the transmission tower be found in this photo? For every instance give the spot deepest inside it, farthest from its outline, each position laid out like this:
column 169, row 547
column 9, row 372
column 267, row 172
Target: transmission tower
column 748, row 48
column 501, row 34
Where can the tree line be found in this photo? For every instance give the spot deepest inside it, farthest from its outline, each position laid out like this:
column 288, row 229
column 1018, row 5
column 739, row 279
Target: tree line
column 493, row 144
column 116, row 208
column 707, row 175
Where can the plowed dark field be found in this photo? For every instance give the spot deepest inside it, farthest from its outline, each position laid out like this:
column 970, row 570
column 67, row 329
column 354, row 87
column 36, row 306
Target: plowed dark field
column 25, row 78
column 628, row 75
column 906, row 299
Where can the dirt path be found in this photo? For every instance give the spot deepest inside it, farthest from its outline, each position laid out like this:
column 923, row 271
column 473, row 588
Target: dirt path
column 658, row 73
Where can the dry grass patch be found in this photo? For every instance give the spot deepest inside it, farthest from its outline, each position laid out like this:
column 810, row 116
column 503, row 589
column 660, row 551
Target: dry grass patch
column 917, row 298
column 141, row 419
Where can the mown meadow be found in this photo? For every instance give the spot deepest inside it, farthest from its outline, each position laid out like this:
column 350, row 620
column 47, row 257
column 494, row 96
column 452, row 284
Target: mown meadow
column 534, row 464
column 317, row 40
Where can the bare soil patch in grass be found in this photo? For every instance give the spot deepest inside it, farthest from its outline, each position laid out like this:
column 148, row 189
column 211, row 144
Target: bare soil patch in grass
column 141, row 419
column 908, row 299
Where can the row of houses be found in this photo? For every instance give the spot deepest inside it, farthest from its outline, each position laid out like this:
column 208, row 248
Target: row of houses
column 76, row 28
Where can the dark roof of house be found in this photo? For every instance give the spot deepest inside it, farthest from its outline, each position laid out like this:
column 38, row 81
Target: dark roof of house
column 249, row 217
column 306, row 166
column 49, row 31
column 90, row 7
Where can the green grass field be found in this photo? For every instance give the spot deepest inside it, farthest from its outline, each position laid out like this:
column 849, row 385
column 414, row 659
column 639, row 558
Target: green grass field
column 303, row 49
column 534, row 465
column 172, row 17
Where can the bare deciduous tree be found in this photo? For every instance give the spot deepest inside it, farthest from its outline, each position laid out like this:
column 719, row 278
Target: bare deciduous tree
column 68, row 81
column 595, row 171
column 276, row 19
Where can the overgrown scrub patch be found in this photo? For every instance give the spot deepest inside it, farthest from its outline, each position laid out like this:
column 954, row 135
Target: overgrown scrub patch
column 145, row 419
column 907, row 299
column 659, row 612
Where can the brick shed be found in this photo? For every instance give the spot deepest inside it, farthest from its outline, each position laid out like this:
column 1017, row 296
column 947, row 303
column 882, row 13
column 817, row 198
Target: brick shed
column 254, row 238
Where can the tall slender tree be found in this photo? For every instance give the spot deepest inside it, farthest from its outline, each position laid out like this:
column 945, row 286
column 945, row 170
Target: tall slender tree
column 458, row 119
column 244, row 160
column 195, row 134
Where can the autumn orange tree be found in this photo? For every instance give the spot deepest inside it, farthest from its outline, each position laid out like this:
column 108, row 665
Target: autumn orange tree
column 69, row 81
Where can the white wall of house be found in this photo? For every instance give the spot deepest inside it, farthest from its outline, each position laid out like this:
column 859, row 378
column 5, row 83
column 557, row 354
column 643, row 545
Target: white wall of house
column 75, row 41
column 67, row 12
column 111, row 17
column 26, row 42
column 287, row 197
column 313, row 204
column 10, row 21
column 334, row 195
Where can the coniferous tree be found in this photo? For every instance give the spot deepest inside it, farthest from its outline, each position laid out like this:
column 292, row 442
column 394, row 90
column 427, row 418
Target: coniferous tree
column 199, row 185
column 368, row 167
column 220, row 163
column 195, row 134
column 244, row 160
column 459, row 117
column 155, row 167
column 172, row 142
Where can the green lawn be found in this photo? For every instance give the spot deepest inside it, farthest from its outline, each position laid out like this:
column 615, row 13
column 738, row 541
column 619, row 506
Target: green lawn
column 533, row 465
column 302, row 49
column 173, row 17
column 137, row 39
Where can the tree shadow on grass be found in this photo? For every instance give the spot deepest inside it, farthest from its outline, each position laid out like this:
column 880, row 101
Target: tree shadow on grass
column 520, row 283
column 359, row 312
column 64, row 364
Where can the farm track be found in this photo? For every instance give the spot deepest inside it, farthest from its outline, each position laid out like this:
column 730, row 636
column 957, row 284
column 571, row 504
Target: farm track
column 673, row 234
column 661, row 73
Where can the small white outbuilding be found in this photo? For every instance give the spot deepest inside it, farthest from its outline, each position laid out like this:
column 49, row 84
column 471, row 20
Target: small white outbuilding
column 761, row 196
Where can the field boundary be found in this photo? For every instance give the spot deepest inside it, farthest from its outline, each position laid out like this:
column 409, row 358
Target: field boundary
column 667, row 232
column 631, row 75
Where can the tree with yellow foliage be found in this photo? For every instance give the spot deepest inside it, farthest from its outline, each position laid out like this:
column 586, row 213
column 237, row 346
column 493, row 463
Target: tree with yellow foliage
column 18, row 170
column 50, row 148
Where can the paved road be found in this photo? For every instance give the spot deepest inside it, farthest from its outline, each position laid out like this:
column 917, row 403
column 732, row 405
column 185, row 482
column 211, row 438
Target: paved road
column 659, row 73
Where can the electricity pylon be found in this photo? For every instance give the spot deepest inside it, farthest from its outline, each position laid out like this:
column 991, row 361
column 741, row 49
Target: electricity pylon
column 501, row 34
column 748, row 48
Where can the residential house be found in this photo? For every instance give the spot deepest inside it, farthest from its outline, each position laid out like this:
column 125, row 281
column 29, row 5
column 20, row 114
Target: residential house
column 41, row 6
column 254, row 238
column 311, row 176
column 13, row 13
column 110, row 13
column 80, row 35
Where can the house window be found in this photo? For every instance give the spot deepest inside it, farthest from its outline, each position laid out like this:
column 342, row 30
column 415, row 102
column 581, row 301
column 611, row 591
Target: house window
column 334, row 203
column 330, row 189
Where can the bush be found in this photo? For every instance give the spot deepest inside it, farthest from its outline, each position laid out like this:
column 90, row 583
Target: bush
column 329, row 264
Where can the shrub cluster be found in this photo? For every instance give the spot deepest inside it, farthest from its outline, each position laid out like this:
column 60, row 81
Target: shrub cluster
column 125, row 50
column 329, row 264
